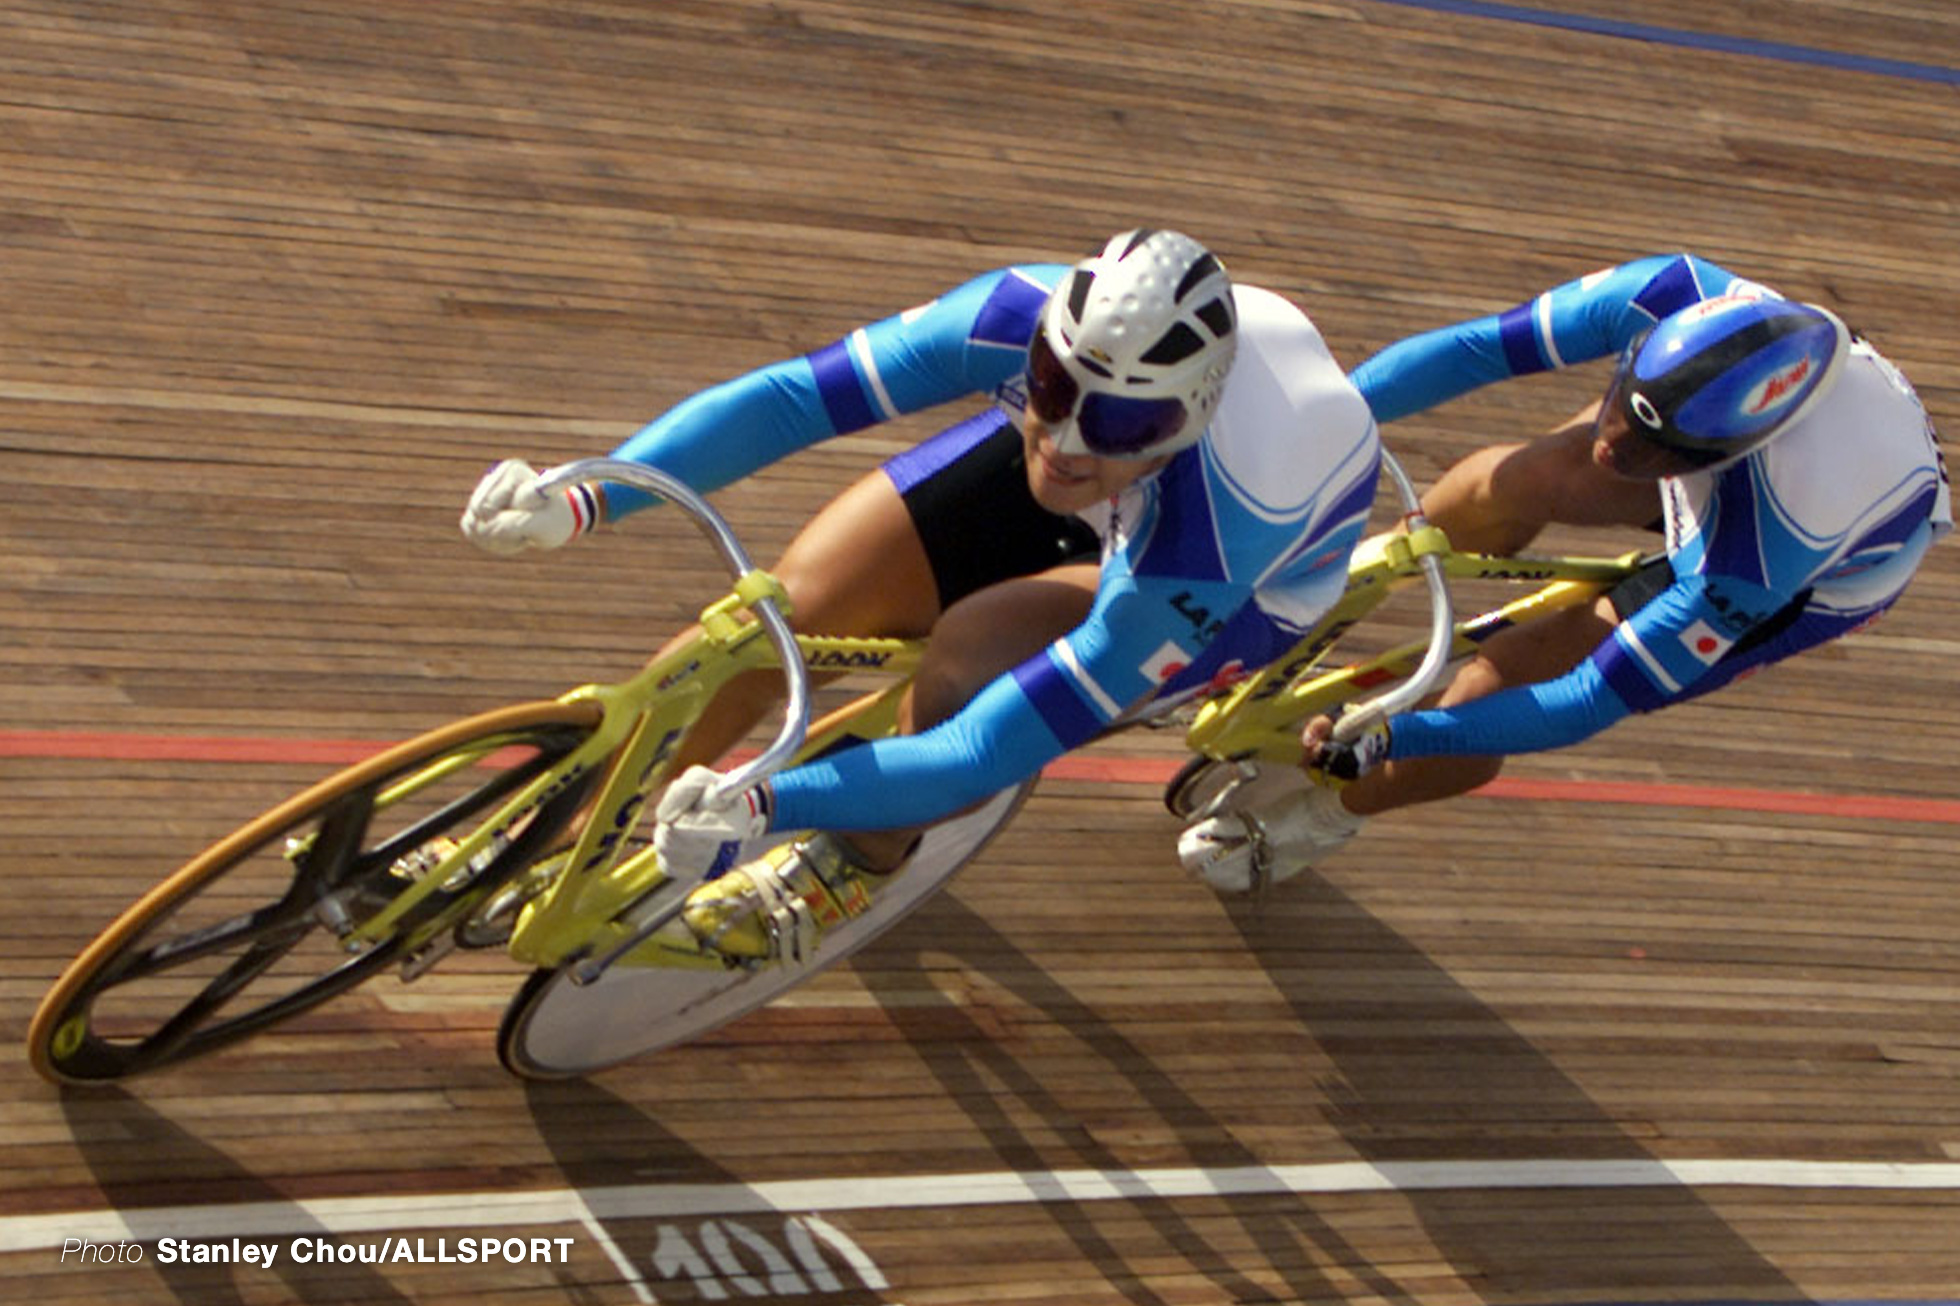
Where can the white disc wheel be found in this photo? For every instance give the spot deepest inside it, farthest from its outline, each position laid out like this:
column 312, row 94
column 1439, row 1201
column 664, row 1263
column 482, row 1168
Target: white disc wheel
column 554, row 1029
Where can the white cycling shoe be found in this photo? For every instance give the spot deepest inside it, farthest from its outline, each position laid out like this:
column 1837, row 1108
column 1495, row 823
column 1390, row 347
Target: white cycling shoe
column 1246, row 849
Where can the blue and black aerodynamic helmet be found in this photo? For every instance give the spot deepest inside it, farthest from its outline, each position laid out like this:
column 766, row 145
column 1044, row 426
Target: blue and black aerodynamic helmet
column 1719, row 378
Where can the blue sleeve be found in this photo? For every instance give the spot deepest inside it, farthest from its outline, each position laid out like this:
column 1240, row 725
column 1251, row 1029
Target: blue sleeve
column 1577, row 322
column 958, row 345
column 1653, row 658
column 1137, row 636
column 997, row 740
column 1526, row 719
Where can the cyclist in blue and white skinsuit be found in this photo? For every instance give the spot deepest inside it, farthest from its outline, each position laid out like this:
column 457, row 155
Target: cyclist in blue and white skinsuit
column 1774, row 545
column 1197, row 436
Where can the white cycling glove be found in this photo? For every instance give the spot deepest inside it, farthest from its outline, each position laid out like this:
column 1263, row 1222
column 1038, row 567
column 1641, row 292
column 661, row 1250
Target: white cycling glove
column 507, row 514
column 691, row 834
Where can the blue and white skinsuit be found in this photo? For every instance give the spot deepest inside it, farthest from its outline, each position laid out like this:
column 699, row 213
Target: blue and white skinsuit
column 1212, row 564
column 1811, row 536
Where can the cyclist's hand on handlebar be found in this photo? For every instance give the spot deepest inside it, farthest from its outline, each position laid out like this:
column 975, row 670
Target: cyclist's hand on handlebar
column 507, row 513
column 1344, row 759
column 693, row 832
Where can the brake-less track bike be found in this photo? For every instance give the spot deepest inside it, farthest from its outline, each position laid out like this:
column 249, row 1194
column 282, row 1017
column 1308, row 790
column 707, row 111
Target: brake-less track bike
column 516, row 828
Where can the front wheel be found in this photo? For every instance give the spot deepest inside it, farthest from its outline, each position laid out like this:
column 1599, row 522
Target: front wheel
column 1207, row 786
column 555, row 1029
column 255, row 929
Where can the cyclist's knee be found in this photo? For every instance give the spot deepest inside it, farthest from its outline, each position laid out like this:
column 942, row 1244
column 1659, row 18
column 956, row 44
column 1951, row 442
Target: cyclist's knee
column 1498, row 499
column 1558, row 475
column 1477, row 678
column 1531, row 653
column 1548, row 479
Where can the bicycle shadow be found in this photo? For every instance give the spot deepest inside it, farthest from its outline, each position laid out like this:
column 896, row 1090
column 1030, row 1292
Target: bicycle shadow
column 1485, row 1061
column 977, row 1071
column 600, row 1140
column 737, row 1245
column 138, row 1156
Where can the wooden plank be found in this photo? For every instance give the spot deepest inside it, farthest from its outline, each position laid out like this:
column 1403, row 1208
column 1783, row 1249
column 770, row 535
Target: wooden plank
column 282, row 281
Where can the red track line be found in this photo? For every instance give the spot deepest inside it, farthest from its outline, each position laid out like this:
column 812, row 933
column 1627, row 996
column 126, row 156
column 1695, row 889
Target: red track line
column 111, row 747
column 1146, row 770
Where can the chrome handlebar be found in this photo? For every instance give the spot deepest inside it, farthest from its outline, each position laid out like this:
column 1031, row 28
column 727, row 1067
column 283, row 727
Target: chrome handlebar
column 1442, row 620
column 775, row 625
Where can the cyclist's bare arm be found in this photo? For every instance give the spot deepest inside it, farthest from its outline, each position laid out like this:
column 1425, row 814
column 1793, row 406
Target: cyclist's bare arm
column 1499, row 498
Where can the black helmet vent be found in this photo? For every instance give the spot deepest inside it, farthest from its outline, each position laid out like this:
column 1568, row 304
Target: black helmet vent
column 1078, row 294
column 1177, row 344
column 1197, row 272
column 1218, row 316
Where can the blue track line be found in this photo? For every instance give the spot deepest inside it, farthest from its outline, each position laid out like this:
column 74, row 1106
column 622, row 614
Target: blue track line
column 1743, row 45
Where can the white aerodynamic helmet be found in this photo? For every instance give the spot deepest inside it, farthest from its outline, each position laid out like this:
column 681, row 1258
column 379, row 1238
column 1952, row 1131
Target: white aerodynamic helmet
column 1131, row 352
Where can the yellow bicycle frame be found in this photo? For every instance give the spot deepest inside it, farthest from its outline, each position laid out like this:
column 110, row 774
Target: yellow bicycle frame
column 640, row 725
column 586, row 908
column 1260, row 717
column 582, row 912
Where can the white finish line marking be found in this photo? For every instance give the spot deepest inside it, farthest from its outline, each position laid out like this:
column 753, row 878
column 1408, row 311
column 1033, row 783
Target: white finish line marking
column 354, row 1215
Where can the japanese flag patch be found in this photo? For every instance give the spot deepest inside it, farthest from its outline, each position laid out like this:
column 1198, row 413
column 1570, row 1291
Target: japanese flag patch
column 1702, row 640
column 1165, row 663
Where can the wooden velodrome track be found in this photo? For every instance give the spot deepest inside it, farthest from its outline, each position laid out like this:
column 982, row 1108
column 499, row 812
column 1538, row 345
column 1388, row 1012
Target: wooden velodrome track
column 278, row 281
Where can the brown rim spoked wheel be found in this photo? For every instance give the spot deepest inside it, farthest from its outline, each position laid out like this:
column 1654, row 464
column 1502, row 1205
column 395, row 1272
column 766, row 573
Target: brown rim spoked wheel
column 256, row 929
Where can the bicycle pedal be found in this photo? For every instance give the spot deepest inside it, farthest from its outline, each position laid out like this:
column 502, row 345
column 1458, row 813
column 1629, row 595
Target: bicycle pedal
column 732, row 926
column 675, row 944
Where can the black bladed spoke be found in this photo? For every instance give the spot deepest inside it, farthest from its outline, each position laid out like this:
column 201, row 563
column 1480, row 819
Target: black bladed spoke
column 255, row 961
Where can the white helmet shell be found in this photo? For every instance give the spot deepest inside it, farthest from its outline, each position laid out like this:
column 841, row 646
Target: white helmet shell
column 1149, row 317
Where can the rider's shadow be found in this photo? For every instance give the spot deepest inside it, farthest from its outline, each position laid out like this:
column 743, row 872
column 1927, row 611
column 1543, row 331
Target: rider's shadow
column 1365, row 1099
column 136, row 1156
column 1503, row 1099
